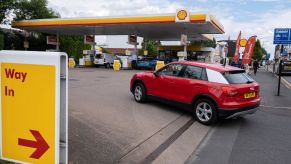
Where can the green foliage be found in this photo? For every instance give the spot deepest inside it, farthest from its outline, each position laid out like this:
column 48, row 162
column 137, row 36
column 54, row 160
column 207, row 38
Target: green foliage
column 1, row 41
column 259, row 51
column 151, row 46
column 204, row 43
column 25, row 9
column 73, row 46
column 6, row 6
column 34, row 9
column 13, row 40
column 28, row 9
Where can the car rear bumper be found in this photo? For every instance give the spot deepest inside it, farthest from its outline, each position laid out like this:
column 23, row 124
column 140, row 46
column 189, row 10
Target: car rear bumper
column 233, row 113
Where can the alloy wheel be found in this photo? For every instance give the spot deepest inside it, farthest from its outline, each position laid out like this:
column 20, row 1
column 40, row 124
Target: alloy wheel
column 204, row 111
column 138, row 93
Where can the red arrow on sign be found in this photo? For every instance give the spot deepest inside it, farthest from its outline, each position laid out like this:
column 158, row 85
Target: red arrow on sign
column 40, row 144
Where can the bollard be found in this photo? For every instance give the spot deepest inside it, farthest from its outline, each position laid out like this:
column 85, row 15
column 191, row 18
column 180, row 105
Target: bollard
column 159, row 65
column 116, row 65
column 72, row 63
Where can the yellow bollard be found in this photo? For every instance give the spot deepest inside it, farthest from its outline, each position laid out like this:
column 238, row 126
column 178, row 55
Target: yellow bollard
column 159, row 65
column 71, row 63
column 88, row 62
column 116, row 65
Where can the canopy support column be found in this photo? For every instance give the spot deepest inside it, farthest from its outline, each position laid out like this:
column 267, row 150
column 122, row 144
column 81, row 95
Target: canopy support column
column 58, row 43
column 185, row 51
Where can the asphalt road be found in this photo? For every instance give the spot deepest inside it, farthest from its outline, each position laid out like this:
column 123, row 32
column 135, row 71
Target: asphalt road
column 106, row 125
column 288, row 78
column 262, row 138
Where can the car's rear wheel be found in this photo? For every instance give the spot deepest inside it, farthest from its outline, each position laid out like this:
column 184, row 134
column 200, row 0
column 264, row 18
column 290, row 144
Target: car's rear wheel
column 205, row 112
column 139, row 93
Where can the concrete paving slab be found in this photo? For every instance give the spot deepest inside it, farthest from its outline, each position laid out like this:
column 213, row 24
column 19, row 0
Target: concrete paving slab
column 184, row 146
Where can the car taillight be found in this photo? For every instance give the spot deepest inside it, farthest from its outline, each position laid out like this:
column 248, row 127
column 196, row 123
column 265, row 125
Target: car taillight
column 230, row 91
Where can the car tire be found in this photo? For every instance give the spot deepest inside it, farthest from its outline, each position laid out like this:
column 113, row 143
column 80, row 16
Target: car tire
column 139, row 93
column 107, row 65
column 205, row 111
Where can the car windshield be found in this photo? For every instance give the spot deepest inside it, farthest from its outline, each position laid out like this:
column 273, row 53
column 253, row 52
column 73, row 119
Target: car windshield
column 237, row 77
column 98, row 56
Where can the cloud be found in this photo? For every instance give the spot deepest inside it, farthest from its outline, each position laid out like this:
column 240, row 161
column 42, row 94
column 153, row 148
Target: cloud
column 263, row 26
column 93, row 8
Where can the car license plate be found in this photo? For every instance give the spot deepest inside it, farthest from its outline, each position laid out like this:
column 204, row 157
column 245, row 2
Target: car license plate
column 250, row 95
column 287, row 68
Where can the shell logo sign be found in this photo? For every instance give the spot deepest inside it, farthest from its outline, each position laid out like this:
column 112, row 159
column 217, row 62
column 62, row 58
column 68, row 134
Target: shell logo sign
column 243, row 42
column 182, row 15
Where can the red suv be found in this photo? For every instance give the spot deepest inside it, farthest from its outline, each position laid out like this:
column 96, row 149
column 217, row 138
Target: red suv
column 211, row 91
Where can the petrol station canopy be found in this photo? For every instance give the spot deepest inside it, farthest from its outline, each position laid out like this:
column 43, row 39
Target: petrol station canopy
column 158, row 27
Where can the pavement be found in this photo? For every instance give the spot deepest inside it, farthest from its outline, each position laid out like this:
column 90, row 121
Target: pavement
column 106, row 125
column 261, row 138
column 286, row 80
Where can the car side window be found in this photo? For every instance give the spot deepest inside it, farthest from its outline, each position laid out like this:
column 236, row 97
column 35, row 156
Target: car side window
column 193, row 72
column 171, row 70
column 204, row 75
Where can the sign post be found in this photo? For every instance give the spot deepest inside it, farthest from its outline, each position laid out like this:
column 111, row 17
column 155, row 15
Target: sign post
column 281, row 36
column 184, row 42
column 34, row 107
column 279, row 79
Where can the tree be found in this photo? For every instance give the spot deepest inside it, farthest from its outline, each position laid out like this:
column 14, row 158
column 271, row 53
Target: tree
column 25, row 9
column 73, row 46
column 204, row 43
column 151, row 46
column 37, row 9
column 13, row 40
column 6, row 7
column 258, row 51
column 28, row 9
column 34, row 9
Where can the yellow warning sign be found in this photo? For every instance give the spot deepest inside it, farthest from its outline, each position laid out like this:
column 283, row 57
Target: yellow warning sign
column 28, row 112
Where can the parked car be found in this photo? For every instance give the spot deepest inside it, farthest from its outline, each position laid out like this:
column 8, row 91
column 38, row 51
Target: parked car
column 286, row 67
column 104, row 59
column 211, row 91
column 146, row 63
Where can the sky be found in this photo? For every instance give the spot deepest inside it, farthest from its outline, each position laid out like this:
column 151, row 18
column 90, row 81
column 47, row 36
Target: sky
column 251, row 17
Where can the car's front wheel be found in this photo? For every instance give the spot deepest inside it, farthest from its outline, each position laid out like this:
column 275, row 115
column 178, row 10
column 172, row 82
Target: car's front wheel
column 139, row 93
column 205, row 112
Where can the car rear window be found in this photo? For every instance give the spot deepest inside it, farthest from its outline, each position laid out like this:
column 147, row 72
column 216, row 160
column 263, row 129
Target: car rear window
column 237, row 77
